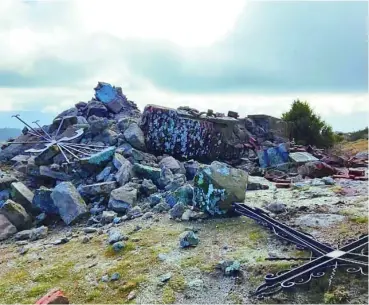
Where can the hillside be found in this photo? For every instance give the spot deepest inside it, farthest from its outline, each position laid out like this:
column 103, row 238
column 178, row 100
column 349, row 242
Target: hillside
column 6, row 133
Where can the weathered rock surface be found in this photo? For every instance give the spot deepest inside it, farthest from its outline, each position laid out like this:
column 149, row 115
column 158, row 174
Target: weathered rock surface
column 22, row 195
column 123, row 199
column 6, row 181
column 47, row 171
column 97, row 188
column 33, row 234
column 147, row 172
column 188, row 239
column 135, row 136
column 125, row 172
column 16, row 214
column 42, row 200
column 217, row 186
column 172, row 164
column 7, row 229
column 69, row 202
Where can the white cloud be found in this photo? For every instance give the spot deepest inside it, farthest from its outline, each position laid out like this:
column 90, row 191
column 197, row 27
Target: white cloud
column 67, row 30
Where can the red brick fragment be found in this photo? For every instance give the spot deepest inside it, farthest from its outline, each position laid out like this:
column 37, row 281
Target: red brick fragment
column 54, row 296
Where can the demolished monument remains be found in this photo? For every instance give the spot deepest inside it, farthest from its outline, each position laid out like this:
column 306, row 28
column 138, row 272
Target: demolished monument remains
column 105, row 161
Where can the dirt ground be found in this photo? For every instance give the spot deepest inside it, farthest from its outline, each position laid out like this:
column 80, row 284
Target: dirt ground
column 332, row 214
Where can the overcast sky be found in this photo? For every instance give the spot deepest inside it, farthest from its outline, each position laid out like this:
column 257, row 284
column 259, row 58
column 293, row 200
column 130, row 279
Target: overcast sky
column 250, row 57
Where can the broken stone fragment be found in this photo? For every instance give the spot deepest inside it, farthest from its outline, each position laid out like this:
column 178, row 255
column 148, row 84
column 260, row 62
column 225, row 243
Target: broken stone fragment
column 108, row 216
column 135, row 137
column 6, row 181
column 16, row 214
column 97, row 188
column 123, row 199
column 107, row 136
column 188, row 239
column 229, row 267
column 171, row 163
column 23, row 195
column 148, row 188
column 177, row 210
column 101, row 157
column 166, row 177
column 7, row 229
column 110, row 96
column 68, row 120
column 135, row 212
column 125, row 172
column 46, row 157
column 33, row 234
column 46, row 171
column 118, row 160
column 115, row 236
column 42, row 200
column 69, row 202
column 191, row 169
column 104, row 174
column 217, row 186
column 96, row 108
column 147, row 172
column 97, row 124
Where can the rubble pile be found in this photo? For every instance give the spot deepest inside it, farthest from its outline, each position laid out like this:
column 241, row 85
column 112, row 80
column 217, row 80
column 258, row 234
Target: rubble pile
column 184, row 162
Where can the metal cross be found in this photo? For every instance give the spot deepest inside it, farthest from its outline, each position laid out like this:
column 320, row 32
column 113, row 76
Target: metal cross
column 70, row 151
column 353, row 256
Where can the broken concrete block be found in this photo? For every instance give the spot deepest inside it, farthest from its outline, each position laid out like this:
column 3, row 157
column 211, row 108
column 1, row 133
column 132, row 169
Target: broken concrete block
column 46, row 171
column 6, row 181
column 46, row 157
column 97, row 188
column 147, row 172
column 33, row 234
column 7, row 229
column 273, row 156
column 122, row 199
column 172, row 164
column 125, row 172
column 109, row 95
column 42, row 200
column 16, row 214
column 101, row 157
column 69, row 202
column 217, row 186
column 184, row 135
column 96, row 108
column 23, row 195
column 135, row 137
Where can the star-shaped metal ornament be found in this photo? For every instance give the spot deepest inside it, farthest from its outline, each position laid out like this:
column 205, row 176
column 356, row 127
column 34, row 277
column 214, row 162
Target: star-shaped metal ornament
column 352, row 257
column 71, row 152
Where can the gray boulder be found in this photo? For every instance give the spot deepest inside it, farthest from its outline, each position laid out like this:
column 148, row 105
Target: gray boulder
column 104, row 174
column 125, row 172
column 123, row 199
column 46, row 171
column 97, row 124
column 6, row 181
column 16, row 214
column 178, row 210
column 108, row 216
column 23, row 195
column 135, row 136
column 69, row 202
column 148, row 188
column 217, row 186
column 175, row 166
column 33, row 234
column 97, row 188
column 134, row 212
column 7, row 229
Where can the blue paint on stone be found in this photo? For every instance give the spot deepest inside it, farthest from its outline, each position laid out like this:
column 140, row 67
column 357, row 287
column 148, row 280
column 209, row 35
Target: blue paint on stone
column 169, row 133
column 106, row 93
column 102, row 156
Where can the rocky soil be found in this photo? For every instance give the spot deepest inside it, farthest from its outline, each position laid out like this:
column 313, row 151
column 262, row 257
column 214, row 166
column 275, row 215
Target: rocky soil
column 151, row 267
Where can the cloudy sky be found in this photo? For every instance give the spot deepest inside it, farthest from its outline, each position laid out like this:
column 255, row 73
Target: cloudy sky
column 246, row 56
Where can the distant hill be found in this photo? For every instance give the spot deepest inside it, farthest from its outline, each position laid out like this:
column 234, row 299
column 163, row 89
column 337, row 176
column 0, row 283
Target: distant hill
column 6, row 133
